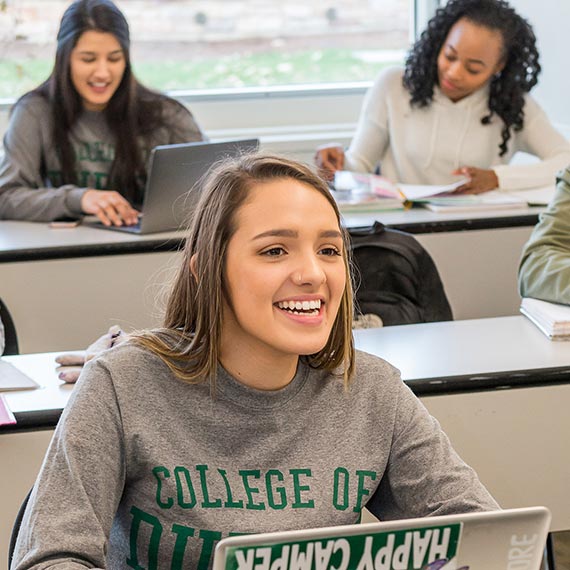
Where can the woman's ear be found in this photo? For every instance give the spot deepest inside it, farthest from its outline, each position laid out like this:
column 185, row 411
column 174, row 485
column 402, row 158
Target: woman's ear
column 194, row 267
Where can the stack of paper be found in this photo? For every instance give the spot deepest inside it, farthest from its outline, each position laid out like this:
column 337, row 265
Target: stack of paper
column 355, row 191
column 475, row 203
column 551, row 318
column 443, row 199
column 13, row 379
column 428, row 192
column 360, row 192
column 534, row 196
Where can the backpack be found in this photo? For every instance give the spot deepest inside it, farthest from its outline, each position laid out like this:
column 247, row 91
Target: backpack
column 396, row 278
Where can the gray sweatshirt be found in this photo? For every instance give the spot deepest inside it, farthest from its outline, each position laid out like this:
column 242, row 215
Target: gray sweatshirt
column 145, row 470
column 30, row 172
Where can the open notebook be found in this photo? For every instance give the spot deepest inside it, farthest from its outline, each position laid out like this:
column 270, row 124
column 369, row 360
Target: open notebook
column 13, row 379
column 369, row 192
column 496, row 540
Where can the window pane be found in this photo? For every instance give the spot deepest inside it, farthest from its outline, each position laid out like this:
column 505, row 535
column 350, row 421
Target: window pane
column 206, row 44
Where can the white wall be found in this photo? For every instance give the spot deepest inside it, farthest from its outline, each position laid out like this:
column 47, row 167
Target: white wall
column 296, row 123
column 549, row 19
column 286, row 121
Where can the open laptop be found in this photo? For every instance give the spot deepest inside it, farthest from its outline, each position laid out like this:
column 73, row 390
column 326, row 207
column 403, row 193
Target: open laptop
column 172, row 172
column 497, row 540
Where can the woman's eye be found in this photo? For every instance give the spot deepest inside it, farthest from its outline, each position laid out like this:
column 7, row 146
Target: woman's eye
column 450, row 57
column 330, row 251
column 87, row 60
column 274, row 252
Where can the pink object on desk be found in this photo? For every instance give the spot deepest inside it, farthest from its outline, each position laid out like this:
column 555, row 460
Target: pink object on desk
column 6, row 415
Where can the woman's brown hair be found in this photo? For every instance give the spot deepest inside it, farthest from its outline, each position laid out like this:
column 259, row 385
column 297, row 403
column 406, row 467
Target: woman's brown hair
column 189, row 342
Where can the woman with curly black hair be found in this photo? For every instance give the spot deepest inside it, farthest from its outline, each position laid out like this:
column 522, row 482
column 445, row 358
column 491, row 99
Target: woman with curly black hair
column 459, row 108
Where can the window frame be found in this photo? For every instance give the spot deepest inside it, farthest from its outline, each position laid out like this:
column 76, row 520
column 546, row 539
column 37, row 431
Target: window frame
column 292, row 118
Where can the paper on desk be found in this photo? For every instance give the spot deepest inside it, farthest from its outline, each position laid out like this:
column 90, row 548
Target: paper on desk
column 552, row 319
column 425, row 191
column 13, row 379
column 533, row 196
column 6, row 415
column 474, row 202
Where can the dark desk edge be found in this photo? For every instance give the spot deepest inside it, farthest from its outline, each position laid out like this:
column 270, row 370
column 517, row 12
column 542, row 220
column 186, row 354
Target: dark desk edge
column 173, row 244
column 463, row 225
column 92, row 250
column 47, row 419
column 485, row 382
column 33, row 421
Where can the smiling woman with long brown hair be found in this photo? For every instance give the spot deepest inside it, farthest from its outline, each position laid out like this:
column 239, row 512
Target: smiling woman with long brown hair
column 79, row 143
column 249, row 409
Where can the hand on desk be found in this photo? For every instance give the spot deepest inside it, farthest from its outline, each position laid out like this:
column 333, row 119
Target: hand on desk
column 71, row 364
column 480, row 180
column 110, row 207
column 329, row 158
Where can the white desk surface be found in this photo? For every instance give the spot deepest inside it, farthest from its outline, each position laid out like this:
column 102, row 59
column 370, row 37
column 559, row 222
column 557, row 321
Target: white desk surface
column 52, row 393
column 433, row 358
column 19, row 237
column 425, row 216
column 465, row 348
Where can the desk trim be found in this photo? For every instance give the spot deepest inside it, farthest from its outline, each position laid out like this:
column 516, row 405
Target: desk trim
column 486, row 382
column 467, row 224
column 170, row 244
column 93, row 250
column 47, row 419
column 33, row 421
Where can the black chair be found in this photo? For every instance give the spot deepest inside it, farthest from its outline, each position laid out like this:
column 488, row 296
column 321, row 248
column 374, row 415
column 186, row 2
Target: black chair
column 16, row 528
column 11, row 338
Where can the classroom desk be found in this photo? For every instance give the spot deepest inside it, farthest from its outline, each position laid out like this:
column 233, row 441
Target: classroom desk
column 51, row 279
column 501, row 391
column 499, row 387
column 65, row 287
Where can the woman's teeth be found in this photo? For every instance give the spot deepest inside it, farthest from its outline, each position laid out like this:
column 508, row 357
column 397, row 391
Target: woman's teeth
column 301, row 307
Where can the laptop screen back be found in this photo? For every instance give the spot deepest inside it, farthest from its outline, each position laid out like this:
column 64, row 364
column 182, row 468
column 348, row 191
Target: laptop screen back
column 499, row 540
column 173, row 171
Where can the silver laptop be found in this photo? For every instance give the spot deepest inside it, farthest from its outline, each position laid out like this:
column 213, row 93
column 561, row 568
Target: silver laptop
column 172, row 172
column 497, row 540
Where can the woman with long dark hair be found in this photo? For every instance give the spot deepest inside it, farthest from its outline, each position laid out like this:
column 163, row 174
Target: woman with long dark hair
column 459, row 108
column 78, row 143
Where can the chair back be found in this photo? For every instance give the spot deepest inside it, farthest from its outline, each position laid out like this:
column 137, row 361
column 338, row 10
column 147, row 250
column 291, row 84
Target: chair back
column 11, row 338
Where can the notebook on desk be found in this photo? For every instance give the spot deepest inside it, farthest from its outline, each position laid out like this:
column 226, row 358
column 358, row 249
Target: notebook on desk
column 496, row 540
column 13, row 379
column 173, row 171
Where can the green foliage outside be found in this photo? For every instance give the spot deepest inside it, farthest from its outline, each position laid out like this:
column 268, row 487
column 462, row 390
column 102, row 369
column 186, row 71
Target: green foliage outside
column 267, row 68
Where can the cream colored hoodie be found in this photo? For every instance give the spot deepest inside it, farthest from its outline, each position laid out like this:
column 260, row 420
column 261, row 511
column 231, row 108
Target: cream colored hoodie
column 424, row 145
